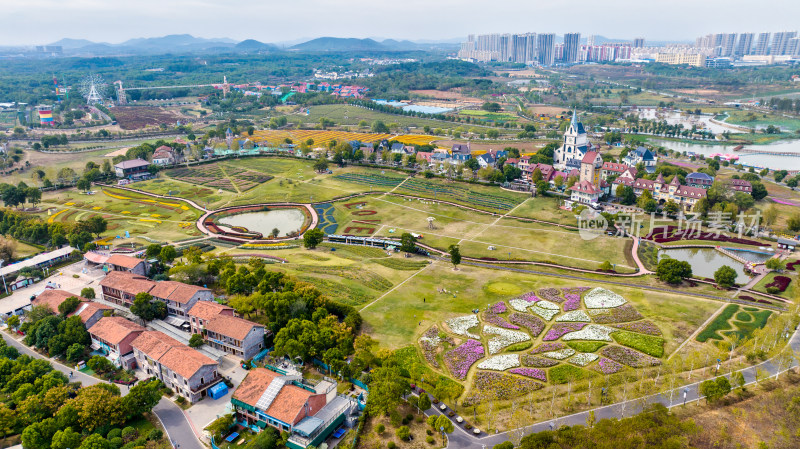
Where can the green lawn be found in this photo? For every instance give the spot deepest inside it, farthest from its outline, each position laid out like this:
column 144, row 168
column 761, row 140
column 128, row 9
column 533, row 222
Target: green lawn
column 761, row 286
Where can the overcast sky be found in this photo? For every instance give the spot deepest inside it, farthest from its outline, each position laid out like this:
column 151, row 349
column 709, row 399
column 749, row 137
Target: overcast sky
column 28, row 22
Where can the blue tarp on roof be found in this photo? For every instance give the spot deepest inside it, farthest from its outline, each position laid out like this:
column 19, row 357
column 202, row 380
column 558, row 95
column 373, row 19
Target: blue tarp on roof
column 219, row 390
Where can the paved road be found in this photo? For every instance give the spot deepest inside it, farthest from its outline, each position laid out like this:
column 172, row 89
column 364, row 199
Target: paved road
column 461, row 439
column 171, row 416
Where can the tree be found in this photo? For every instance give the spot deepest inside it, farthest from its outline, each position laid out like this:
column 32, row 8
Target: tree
column 673, row 271
column 145, row 308
column 606, row 266
column 196, row 340
column 83, row 184
column 386, row 386
column 443, row 422
column 424, row 402
column 95, row 225
column 321, row 165
column 408, row 243
column 221, row 425
column 488, row 106
column 725, row 276
column 75, row 352
column 141, row 398
column 542, row 187
column 775, row 264
column 66, row 439
column 759, row 191
column 379, row 127
column 88, row 293
column 715, row 390
column 95, row 441
column 671, row 208
column 13, row 321
column 455, row 255
column 8, row 421
column 167, row 254
column 770, row 215
column 34, row 195
column 68, row 305
column 152, row 251
column 793, row 223
column 404, row 433
column 312, row 238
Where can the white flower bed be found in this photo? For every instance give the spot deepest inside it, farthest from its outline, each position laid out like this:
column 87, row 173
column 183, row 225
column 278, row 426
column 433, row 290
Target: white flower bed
column 547, row 314
column 545, row 304
column 461, row 325
column 500, row 362
column 601, row 298
column 520, row 305
column 594, row 332
column 584, row 358
column 505, row 337
column 575, row 316
column 560, row 355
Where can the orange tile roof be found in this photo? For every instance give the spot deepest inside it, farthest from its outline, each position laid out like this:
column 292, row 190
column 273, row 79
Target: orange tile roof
column 155, row 344
column 127, row 282
column 176, row 291
column 87, row 310
column 287, row 404
column 254, row 385
column 114, row 329
column 121, row 260
column 206, row 310
column 231, row 326
column 171, row 353
column 52, row 298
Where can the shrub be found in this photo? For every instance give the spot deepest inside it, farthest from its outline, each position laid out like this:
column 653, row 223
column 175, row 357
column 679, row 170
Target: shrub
column 429, row 431
column 180, row 400
column 404, row 433
column 116, row 442
column 130, row 434
column 429, row 439
column 648, row 344
column 409, row 417
column 380, row 428
column 773, row 290
column 155, row 435
column 391, row 445
column 114, row 433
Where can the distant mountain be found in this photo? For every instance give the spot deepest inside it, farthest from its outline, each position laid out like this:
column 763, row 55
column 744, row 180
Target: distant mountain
column 253, row 46
column 351, row 44
column 175, row 40
column 67, row 43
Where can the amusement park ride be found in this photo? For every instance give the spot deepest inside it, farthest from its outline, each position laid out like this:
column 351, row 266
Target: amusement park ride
column 225, row 86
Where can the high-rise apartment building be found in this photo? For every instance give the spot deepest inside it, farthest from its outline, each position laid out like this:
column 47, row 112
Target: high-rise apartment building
column 744, row 44
column 727, row 44
column 572, row 43
column 780, row 42
column 793, row 49
column 638, row 42
column 762, row 44
column 545, row 48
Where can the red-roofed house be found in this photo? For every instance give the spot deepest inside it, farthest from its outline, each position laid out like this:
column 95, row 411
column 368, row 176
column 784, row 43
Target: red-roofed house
column 612, row 168
column 741, row 185
column 585, row 192
column 113, row 337
column 121, row 262
column 121, row 287
column 224, row 331
column 88, row 311
column 165, row 155
column 180, row 297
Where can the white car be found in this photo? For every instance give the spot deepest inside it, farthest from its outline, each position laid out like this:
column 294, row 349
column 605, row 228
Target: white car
column 442, row 407
column 459, row 419
column 476, row 431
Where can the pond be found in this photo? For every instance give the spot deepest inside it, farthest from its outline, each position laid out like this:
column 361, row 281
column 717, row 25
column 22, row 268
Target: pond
column 705, row 261
column 771, row 161
column 285, row 220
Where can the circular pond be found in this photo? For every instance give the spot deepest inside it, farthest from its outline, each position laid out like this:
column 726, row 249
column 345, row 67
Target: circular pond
column 285, row 220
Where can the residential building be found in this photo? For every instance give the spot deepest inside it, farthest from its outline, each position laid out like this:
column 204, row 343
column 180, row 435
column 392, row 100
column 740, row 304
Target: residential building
column 572, row 43
column 591, row 168
column 121, row 287
column 164, row 156
column 741, row 185
column 226, row 332
column 686, row 197
column 641, row 155
column 727, row 44
column 691, row 59
column 744, row 45
column 113, row 336
column 180, row 297
column 88, row 311
column 574, row 146
column 612, row 169
column 762, row 44
column 699, row 179
column 284, row 400
column 780, row 42
column 486, row 160
column 585, row 192
column 121, row 262
column 638, row 42
column 133, row 169
column 184, row 370
column 545, row 44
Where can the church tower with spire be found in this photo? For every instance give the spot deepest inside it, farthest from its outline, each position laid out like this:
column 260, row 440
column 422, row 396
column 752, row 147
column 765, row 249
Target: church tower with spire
column 574, row 146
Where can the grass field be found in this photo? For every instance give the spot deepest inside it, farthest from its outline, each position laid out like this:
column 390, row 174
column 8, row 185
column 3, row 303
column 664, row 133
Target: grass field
column 743, row 118
column 789, row 293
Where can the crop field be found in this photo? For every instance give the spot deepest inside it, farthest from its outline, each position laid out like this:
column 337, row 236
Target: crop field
column 352, row 116
column 136, row 117
column 415, row 139
column 480, row 197
column 221, row 176
column 490, row 116
column 320, row 138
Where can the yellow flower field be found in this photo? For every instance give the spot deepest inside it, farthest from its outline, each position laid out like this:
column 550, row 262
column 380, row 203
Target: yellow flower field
column 320, row 137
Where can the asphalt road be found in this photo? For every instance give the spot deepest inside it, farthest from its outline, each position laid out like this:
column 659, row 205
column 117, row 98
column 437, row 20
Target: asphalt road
column 171, row 416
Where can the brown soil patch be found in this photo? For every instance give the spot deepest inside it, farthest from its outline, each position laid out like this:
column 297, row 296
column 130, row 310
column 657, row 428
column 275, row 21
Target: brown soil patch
column 549, row 110
column 446, row 95
column 136, row 117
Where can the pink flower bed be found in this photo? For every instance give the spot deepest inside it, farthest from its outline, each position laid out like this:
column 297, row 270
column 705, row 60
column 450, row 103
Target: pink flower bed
column 538, row 362
column 460, row 359
column 577, row 290
column 629, row 357
column 530, row 297
column 534, row 373
column 607, row 366
column 551, row 294
column 560, row 329
column 533, row 323
column 498, row 321
column 547, row 347
column 619, row 314
column 498, row 308
column 642, row 327
column 573, row 301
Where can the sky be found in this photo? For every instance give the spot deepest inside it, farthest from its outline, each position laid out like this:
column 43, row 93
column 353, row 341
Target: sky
column 36, row 22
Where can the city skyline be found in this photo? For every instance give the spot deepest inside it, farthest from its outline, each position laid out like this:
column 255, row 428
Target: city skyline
column 39, row 22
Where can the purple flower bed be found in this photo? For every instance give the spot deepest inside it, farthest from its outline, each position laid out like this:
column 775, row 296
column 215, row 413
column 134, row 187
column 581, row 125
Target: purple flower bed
column 537, row 362
column 530, row 297
column 460, row 359
column 629, row 357
column 781, row 282
column 534, row 373
column 494, row 386
column 577, row 290
column 533, row 323
column 498, row 321
column 621, row 314
column 573, row 301
column 607, row 366
column 500, row 307
column 559, row 329
column 547, row 347
column 642, row 327
column 551, row 294
column 792, row 266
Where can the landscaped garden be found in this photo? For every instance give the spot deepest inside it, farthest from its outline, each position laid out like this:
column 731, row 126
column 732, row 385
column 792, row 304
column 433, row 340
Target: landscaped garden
column 734, row 321
column 218, row 175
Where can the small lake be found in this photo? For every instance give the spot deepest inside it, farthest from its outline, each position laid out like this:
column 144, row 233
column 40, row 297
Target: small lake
column 705, row 261
column 286, row 220
column 771, row 161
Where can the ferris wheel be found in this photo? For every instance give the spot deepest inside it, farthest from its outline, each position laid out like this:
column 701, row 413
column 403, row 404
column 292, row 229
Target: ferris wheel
column 92, row 88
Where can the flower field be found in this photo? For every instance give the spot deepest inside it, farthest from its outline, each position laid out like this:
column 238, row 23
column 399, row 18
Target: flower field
column 216, row 175
column 494, row 200
column 415, row 139
column 371, row 179
column 570, row 331
column 321, row 138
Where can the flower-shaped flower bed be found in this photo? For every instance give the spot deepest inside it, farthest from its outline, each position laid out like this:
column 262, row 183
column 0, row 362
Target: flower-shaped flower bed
column 537, row 362
column 498, row 308
column 497, row 320
column 593, row 332
column 560, row 355
column 546, row 347
column 642, row 327
column 533, row 323
column 607, row 366
column 520, row 305
column 461, row 325
column 574, row 316
column 504, row 338
column 533, row 373
column 629, row 357
column 615, row 315
column 494, row 386
column 584, row 358
column 573, row 301
column 551, row 294
column 460, row 359
column 600, row 298
column 560, row 329
column 547, row 314
column 500, row 362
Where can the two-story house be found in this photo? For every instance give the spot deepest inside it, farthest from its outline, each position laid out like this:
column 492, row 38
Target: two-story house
column 180, row 297
column 121, row 262
column 121, row 287
column 181, row 368
column 226, row 332
column 741, row 185
column 164, row 156
column 699, row 179
column 88, row 311
column 133, row 169
column 641, row 155
column 113, row 337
